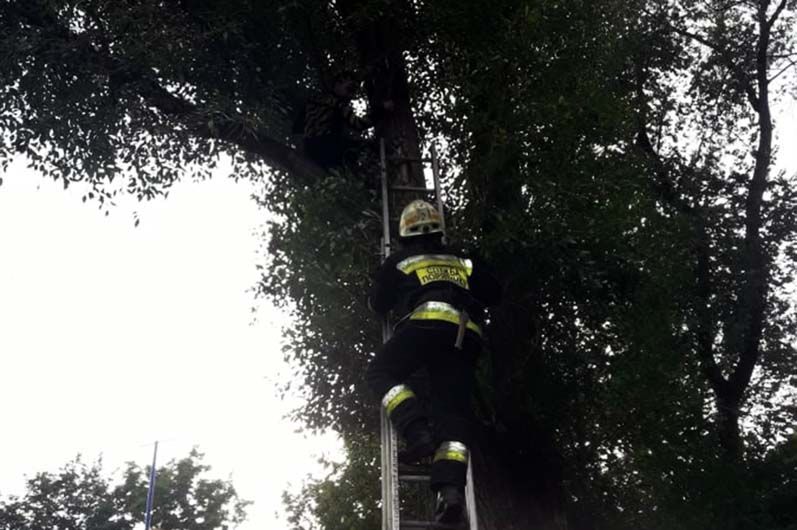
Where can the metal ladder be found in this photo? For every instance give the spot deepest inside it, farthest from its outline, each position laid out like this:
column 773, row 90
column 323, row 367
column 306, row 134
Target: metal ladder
column 392, row 474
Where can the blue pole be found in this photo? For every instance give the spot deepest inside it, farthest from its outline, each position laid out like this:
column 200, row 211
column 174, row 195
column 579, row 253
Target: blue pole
column 151, row 490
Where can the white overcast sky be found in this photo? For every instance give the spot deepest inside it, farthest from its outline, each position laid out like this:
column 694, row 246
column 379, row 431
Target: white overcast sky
column 113, row 336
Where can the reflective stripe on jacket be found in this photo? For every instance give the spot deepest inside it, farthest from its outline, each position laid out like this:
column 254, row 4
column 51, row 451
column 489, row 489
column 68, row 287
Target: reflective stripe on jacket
column 442, row 311
column 430, row 272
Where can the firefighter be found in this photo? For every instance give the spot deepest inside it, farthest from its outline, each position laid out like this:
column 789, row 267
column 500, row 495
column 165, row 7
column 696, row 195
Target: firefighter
column 330, row 128
column 440, row 296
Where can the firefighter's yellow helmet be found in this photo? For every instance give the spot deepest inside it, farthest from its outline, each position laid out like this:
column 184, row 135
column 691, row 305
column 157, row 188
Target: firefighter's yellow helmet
column 419, row 218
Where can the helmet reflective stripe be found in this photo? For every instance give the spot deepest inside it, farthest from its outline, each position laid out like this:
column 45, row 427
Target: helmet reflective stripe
column 456, row 451
column 419, row 218
column 396, row 396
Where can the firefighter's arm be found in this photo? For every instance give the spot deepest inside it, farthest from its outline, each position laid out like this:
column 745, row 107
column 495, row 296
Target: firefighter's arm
column 382, row 296
column 484, row 283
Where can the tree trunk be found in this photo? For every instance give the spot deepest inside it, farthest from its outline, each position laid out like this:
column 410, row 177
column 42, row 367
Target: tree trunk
column 517, row 474
column 518, row 468
column 382, row 59
column 519, row 471
column 728, row 428
column 502, row 503
column 518, row 481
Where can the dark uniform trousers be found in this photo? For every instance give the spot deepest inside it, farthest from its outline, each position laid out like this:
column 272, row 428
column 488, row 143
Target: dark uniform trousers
column 430, row 343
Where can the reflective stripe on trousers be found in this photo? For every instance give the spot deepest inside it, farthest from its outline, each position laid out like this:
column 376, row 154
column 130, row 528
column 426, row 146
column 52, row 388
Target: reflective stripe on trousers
column 456, row 451
column 396, row 396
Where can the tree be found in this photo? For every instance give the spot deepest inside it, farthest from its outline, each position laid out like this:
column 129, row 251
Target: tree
column 345, row 499
column 80, row 496
column 743, row 49
column 601, row 158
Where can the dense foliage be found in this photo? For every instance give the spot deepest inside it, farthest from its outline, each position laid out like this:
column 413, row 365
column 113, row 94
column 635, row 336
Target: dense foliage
column 614, row 160
column 81, row 496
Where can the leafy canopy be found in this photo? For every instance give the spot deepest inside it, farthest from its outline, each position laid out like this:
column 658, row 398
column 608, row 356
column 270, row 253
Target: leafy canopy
column 80, row 495
column 613, row 159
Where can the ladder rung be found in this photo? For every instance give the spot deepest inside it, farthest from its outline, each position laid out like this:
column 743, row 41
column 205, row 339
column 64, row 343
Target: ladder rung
column 407, row 525
column 412, row 188
column 409, row 159
column 415, row 478
column 414, row 469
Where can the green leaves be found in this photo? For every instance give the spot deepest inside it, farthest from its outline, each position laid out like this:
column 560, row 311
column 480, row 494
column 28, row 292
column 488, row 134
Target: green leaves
column 80, row 496
column 600, row 154
column 319, row 256
column 346, row 499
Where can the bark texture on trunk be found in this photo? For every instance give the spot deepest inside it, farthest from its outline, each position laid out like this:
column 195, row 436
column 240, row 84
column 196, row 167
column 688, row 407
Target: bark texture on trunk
column 379, row 46
column 518, row 481
column 518, row 464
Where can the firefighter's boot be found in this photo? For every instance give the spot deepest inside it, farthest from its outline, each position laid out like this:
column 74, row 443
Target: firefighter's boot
column 420, row 442
column 450, row 510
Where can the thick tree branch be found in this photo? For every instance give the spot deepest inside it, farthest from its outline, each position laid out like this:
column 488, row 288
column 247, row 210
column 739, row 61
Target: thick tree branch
column 776, row 14
column 705, row 317
column 705, row 334
column 664, row 187
column 752, row 302
column 214, row 127
column 205, row 125
column 199, row 122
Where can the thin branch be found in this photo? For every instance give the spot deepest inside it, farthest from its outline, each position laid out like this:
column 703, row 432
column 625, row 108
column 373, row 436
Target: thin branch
column 776, row 14
column 699, row 38
column 739, row 74
column 664, row 187
column 661, row 180
column 705, row 317
column 782, row 71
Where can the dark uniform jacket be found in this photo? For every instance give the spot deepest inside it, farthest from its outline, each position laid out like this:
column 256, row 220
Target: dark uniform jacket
column 434, row 273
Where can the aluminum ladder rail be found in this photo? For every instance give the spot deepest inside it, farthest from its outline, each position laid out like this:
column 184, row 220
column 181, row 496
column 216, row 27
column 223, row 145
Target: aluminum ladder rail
column 391, row 478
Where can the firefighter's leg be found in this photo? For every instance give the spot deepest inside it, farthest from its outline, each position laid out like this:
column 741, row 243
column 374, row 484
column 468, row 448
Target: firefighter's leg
column 326, row 150
column 387, row 374
column 452, row 385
